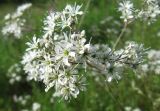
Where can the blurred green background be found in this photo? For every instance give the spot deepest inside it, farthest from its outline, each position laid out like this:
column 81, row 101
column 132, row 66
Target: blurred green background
column 115, row 96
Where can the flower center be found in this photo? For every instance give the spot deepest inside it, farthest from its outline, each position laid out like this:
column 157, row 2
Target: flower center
column 66, row 52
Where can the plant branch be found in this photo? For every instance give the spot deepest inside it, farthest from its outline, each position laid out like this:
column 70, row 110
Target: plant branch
column 120, row 36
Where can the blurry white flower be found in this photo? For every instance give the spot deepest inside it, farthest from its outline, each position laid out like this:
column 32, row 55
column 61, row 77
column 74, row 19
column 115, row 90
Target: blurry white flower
column 153, row 61
column 133, row 54
column 128, row 108
column 13, row 23
column 150, row 12
column 23, row 7
column 36, row 106
column 126, row 8
column 158, row 34
column 8, row 16
column 24, row 110
column 21, row 99
column 10, row 27
column 136, row 109
column 73, row 10
column 14, row 73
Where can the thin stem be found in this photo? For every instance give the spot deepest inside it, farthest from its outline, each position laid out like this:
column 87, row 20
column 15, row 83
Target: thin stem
column 108, row 89
column 120, row 36
column 85, row 10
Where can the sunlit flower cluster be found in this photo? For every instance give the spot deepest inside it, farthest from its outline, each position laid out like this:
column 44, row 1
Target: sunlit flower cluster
column 54, row 57
column 58, row 57
column 149, row 12
column 14, row 23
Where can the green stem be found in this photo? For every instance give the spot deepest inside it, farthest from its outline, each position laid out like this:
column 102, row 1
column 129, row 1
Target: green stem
column 120, row 36
column 108, row 89
column 85, row 10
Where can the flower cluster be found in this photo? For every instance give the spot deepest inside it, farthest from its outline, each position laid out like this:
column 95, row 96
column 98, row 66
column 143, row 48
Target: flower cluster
column 112, row 64
column 61, row 20
column 14, row 73
column 58, row 57
column 24, row 101
column 53, row 57
column 14, row 21
column 149, row 12
column 133, row 54
column 153, row 62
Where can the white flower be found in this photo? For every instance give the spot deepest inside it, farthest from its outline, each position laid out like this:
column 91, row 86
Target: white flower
column 133, row 54
column 23, row 7
column 21, row 99
column 73, row 10
column 13, row 23
column 34, row 44
column 49, row 23
column 67, row 92
column 136, row 109
column 62, row 19
column 33, row 70
column 126, row 8
column 24, row 110
column 153, row 62
column 66, row 22
column 150, row 1
column 14, row 78
column 51, row 80
column 64, row 51
column 10, row 27
column 128, row 108
column 150, row 12
column 14, row 73
column 145, row 67
column 36, row 106
column 8, row 16
column 85, row 48
column 28, row 57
